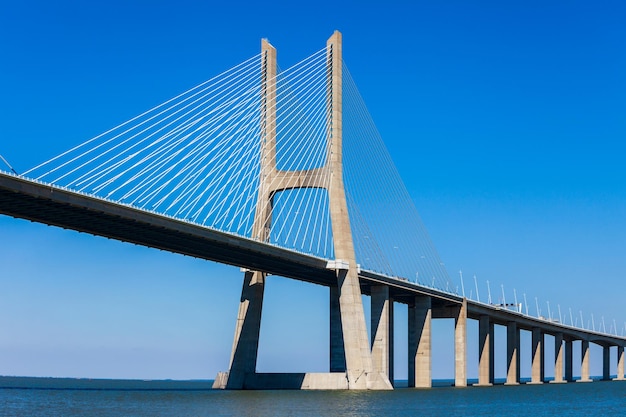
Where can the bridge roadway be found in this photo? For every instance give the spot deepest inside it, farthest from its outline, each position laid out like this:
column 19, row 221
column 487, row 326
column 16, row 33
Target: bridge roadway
column 404, row 292
column 56, row 206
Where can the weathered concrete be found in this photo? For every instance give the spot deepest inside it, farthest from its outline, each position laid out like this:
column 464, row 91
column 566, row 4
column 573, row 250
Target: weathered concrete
column 512, row 353
column 382, row 330
column 221, row 380
column 460, row 346
column 420, row 342
column 538, row 366
column 584, row 366
column 485, row 351
column 620, row 364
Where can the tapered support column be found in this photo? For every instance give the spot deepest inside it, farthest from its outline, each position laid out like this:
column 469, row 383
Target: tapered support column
column 512, row 352
column 485, row 351
column 559, row 355
column 359, row 367
column 538, row 365
column 337, row 352
column 246, row 341
column 246, row 344
column 569, row 375
column 620, row 363
column 419, row 332
column 492, row 356
column 460, row 346
column 382, row 330
column 584, row 366
column 606, row 363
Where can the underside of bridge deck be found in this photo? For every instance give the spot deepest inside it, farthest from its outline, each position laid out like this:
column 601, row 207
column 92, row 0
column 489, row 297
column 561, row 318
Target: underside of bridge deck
column 56, row 207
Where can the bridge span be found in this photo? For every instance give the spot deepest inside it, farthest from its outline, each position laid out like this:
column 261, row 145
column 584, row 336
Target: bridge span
column 52, row 205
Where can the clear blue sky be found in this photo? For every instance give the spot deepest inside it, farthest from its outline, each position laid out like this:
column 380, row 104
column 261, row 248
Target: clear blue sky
column 505, row 119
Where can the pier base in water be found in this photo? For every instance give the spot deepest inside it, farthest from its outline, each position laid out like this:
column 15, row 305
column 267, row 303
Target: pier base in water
column 299, row 381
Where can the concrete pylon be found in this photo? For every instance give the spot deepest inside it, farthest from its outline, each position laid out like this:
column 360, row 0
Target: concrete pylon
column 247, row 330
column 359, row 367
column 350, row 350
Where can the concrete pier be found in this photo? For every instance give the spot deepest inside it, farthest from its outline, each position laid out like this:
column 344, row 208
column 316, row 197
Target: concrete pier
column 584, row 366
column 559, row 356
column 512, row 354
column 606, row 363
column 538, row 365
column 337, row 352
column 420, row 342
column 246, row 344
column 620, row 364
column 460, row 346
column 569, row 376
column 485, row 351
column 382, row 330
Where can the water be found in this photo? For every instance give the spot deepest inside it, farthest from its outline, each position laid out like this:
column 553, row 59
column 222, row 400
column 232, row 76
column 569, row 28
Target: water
column 72, row 397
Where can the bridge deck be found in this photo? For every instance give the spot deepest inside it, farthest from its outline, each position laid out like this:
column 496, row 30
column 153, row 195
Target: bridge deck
column 55, row 206
column 43, row 203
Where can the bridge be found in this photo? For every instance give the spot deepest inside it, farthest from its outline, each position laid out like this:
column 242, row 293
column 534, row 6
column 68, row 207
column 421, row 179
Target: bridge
column 257, row 168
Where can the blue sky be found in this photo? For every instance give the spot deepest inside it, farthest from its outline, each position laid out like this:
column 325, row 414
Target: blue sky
column 506, row 121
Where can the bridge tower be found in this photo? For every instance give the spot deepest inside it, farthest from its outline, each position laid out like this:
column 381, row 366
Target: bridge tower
column 351, row 365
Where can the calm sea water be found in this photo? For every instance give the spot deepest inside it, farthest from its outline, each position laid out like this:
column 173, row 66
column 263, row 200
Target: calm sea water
column 71, row 397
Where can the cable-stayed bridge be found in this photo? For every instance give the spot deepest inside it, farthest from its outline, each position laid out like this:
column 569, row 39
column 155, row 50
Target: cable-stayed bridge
column 283, row 172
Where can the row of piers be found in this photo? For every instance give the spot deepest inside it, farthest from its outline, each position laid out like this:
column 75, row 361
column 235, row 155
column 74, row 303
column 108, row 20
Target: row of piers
column 355, row 363
column 422, row 309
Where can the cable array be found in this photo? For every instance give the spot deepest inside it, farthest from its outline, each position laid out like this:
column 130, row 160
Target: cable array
column 389, row 235
column 191, row 157
column 198, row 157
column 300, row 216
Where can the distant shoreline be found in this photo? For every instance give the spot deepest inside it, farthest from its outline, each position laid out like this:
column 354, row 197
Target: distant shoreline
column 98, row 384
column 103, row 384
